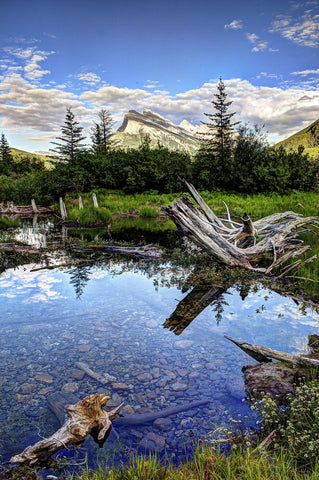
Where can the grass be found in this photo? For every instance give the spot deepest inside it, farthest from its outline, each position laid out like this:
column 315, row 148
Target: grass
column 7, row 222
column 208, row 464
column 257, row 206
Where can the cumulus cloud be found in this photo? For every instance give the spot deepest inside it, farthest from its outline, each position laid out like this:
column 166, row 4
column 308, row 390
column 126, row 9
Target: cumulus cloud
column 304, row 73
column 258, row 43
column 40, row 111
column 89, row 78
column 304, row 32
column 31, row 58
column 234, row 25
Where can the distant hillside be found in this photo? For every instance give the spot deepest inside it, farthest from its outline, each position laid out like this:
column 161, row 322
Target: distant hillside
column 21, row 154
column 308, row 138
column 136, row 125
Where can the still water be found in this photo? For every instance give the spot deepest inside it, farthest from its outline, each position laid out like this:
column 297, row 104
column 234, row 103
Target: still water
column 133, row 320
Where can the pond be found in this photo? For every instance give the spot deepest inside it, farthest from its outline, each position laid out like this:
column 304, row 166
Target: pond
column 162, row 343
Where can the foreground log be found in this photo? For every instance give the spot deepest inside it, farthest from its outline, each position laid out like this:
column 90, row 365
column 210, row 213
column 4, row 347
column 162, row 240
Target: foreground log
column 278, row 379
column 58, row 400
column 236, row 244
column 87, row 417
column 264, row 354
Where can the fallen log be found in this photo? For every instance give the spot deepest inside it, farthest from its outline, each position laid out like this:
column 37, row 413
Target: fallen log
column 24, row 210
column 58, row 400
column 265, row 354
column 87, row 417
column 237, row 245
column 145, row 251
column 16, row 248
column 105, row 378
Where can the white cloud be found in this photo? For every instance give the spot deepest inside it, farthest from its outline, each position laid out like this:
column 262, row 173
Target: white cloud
column 234, row 25
column 304, row 73
column 38, row 112
column 304, row 32
column 31, row 57
column 258, row 43
column 89, row 78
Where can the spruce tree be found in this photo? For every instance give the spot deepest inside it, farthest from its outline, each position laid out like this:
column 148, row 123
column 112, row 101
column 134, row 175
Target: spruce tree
column 219, row 138
column 6, row 159
column 215, row 154
column 101, row 132
column 71, row 138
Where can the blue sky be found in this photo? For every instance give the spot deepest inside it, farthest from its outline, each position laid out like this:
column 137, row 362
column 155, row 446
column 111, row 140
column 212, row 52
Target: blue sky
column 166, row 56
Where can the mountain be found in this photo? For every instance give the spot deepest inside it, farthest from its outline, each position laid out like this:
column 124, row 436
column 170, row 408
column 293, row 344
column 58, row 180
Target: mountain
column 308, row 138
column 184, row 137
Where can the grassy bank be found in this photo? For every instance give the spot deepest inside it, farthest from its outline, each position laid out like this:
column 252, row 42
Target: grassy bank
column 208, row 464
column 149, row 203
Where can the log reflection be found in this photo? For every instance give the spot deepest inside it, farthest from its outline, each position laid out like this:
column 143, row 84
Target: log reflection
column 192, row 305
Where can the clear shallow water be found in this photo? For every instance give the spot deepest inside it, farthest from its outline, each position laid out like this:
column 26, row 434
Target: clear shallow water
column 111, row 316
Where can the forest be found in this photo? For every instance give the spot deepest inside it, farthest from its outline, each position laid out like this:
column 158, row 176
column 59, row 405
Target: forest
column 233, row 157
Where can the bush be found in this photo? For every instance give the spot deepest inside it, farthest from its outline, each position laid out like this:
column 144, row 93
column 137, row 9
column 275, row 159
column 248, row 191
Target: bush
column 87, row 216
column 297, row 425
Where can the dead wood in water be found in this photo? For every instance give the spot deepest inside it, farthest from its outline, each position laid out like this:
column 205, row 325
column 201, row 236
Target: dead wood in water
column 87, row 417
column 264, row 354
column 10, row 209
column 241, row 245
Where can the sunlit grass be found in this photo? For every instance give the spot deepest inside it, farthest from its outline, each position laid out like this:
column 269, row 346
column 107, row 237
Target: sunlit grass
column 208, row 464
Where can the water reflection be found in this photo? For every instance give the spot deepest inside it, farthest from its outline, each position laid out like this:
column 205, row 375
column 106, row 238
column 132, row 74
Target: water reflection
column 110, row 315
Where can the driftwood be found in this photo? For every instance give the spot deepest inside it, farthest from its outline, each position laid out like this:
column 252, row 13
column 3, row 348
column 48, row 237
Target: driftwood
column 277, row 379
column 16, row 248
column 10, row 208
column 87, row 417
column 236, row 244
column 99, row 378
column 264, row 354
column 58, row 400
column 146, row 251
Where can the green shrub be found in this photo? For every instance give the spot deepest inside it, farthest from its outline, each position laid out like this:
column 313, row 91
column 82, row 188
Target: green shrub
column 87, row 216
column 148, row 212
column 297, row 425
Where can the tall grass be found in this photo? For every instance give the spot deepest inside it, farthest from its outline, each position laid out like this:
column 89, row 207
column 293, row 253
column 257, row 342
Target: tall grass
column 208, row 464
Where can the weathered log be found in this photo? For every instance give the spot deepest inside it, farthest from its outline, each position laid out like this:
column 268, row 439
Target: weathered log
column 16, row 248
column 263, row 354
column 58, row 400
column 10, row 209
column 145, row 251
column 105, row 378
column 87, row 417
column 277, row 234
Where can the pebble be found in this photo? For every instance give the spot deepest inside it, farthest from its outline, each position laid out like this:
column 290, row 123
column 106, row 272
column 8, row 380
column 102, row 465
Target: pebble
column 183, row 344
column 121, row 386
column 144, row 377
column 70, row 387
column 44, row 378
column 27, row 387
column 84, row 348
column 77, row 374
column 178, row 386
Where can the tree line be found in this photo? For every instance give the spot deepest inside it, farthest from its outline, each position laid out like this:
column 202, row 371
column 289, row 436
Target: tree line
column 232, row 157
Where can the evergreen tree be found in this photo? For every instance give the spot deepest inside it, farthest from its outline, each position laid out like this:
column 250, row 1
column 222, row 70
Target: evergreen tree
column 6, row 159
column 71, row 138
column 101, row 132
column 219, row 138
column 214, row 161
